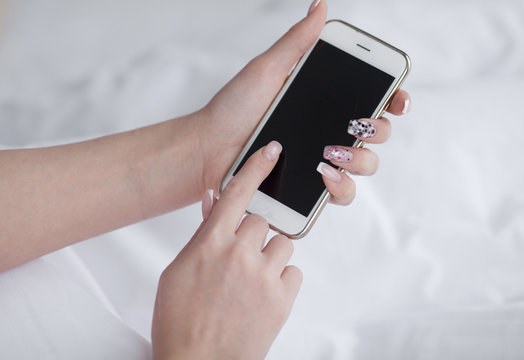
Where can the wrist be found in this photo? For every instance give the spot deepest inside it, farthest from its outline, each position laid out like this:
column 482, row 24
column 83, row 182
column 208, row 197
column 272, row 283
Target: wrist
column 218, row 147
column 166, row 164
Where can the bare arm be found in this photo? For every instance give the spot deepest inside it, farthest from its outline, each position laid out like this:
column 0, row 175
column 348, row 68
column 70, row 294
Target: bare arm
column 56, row 196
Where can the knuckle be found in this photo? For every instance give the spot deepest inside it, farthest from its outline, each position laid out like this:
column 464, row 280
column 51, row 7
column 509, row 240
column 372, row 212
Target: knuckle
column 285, row 243
column 212, row 236
column 299, row 276
column 261, row 65
column 235, row 187
column 386, row 128
column 257, row 163
column 345, row 193
column 240, row 259
column 258, row 222
column 375, row 161
column 257, row 65
column 296, row 274
column 369, row 163
column 211, row 244
column 303, row 44
column 351, row 189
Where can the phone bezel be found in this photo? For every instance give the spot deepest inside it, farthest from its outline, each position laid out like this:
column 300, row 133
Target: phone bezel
column 362, row 45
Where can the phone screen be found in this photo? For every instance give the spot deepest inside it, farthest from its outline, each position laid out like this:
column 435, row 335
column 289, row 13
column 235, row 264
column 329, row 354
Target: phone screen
column 331, row 88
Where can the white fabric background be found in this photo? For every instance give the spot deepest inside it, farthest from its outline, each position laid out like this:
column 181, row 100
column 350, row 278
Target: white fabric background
column 427, row 263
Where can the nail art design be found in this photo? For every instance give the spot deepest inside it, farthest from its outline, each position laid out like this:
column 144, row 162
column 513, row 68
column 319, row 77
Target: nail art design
column 361, row 128
column 332, row 152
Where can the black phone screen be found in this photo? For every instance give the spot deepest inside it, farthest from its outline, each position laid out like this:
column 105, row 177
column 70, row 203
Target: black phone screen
column 331, row 88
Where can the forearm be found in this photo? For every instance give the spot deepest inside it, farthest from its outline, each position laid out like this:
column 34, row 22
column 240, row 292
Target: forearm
column 53, row 197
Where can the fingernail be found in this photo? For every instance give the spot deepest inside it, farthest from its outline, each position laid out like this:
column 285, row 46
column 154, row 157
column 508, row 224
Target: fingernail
column 207, row 203
column 336, row 153
column 313, row 5
column 329, row 172
column 361, row 128
column 405, row 109
column 272, row 150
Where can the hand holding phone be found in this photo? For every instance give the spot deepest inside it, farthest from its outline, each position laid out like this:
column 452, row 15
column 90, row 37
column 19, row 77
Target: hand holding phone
column 346, row 76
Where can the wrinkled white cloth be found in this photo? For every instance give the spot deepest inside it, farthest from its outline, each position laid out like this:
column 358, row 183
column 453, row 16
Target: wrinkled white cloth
column 427, row 263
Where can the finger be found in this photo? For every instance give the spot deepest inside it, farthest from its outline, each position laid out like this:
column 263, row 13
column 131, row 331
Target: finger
column 357, row 161
column 236, row 196
column 208, row 201
column 292, row 278
column 373, row 131
column 400, row 104
column 280, row 58
column 278, row 251
column 254, row 228
column 340, row 186
column 269, row 70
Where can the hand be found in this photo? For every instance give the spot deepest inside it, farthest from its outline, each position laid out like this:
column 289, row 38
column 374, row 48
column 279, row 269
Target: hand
column 224, row 297
column 358, row 161
column 232, row 115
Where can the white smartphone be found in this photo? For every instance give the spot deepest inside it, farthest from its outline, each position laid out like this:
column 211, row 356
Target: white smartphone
column 348, row 74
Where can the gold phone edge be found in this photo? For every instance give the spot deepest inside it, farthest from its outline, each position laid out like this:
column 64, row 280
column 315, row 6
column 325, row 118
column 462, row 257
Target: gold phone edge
column 359, row 144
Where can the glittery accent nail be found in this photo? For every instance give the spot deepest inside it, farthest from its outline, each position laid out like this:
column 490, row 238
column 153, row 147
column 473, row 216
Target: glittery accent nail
column 336, row 153
column 361, row 128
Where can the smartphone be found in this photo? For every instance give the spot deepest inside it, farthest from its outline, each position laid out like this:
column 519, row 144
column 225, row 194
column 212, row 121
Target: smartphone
column 347, row 74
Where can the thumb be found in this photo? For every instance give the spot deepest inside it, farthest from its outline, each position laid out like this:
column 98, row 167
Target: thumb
column 290, row 47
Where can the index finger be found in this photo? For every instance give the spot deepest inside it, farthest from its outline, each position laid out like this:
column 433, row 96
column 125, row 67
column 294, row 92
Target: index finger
column 237, row 195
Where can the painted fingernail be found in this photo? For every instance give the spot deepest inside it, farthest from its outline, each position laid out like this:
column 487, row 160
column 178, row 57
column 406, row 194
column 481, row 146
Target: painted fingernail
column 361, row 128
column 207, row 203
column 406, row 107
column 336, row 153
column 329, row 172
column 313, row 5
column 272, row 150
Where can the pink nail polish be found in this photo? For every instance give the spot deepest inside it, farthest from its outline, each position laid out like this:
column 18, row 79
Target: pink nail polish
column 272, row 150
column 329, row 172
column 337, row 153
column 313, row 5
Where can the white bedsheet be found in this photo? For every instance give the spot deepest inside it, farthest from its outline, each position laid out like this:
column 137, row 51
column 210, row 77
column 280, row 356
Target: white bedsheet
column 427, row 263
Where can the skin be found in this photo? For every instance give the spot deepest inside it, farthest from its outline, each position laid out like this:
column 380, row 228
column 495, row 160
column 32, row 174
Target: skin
column 113, row 181
column 231, row 295
column 222, row 286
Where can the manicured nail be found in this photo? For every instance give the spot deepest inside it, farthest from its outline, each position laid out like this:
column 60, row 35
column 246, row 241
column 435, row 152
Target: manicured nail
column 272, row 150
column 405, row 109
column 207, row 203
column 329, row 172
column 337, row 153
column 313, row 5
column 361, row 128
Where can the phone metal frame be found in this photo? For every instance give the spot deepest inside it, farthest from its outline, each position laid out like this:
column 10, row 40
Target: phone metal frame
column 324, row 198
